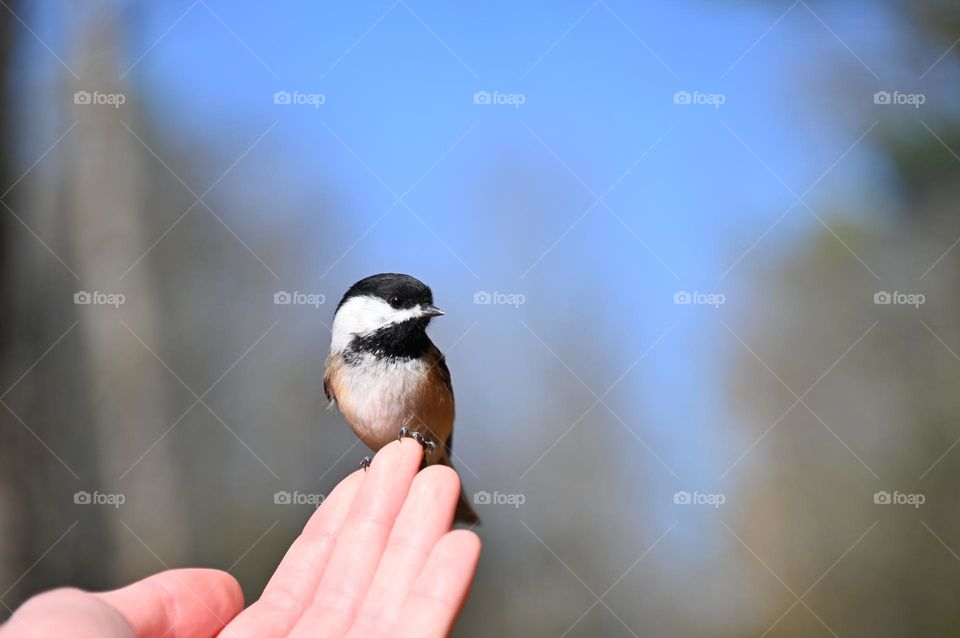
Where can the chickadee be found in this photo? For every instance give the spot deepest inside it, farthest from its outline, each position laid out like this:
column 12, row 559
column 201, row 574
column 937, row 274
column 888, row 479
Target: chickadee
column 386, row 376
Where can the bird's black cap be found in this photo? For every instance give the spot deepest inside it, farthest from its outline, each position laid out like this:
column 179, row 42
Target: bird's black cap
column 399, row 290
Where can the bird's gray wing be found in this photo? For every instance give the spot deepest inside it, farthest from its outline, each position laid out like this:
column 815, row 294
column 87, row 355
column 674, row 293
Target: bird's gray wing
column 441, row 365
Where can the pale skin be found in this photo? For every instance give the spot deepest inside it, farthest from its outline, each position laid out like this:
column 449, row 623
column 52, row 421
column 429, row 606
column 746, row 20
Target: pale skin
column 377, row 558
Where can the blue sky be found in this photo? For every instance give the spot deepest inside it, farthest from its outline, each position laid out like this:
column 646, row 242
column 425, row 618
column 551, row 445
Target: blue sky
column 597, row 96
column 598, row 82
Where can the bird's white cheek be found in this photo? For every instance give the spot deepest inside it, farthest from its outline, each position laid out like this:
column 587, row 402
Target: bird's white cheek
column 361, row 316
column 358, row 316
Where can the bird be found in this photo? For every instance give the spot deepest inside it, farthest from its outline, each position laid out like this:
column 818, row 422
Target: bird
column 387, row 377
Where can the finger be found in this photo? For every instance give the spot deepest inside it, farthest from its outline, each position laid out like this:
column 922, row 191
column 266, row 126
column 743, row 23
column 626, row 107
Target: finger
column 361, row 541
column 178, row 603
column 292, row 587
column 425, row 517
column 437, row 597
column 66, row 612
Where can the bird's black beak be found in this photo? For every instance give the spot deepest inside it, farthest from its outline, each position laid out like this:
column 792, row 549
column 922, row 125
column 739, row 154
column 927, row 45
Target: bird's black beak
column 429, row 310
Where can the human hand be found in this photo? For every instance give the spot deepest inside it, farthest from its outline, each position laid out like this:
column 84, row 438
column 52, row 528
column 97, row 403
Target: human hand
column 376, row 559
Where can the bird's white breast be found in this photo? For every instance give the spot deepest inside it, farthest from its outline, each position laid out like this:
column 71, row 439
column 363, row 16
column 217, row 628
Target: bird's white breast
column 377, row 395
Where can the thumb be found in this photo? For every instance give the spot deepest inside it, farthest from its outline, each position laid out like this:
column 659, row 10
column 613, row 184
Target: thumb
column 178, row 603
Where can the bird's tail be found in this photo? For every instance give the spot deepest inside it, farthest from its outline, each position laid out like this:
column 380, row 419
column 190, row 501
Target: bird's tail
column 465, row 513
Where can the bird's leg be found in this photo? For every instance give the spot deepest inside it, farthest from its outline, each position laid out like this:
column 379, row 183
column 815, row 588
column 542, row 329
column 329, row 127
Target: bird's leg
column 365, row 463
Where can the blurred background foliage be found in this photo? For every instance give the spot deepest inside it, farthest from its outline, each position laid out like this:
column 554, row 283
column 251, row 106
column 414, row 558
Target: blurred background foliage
column 598, row 398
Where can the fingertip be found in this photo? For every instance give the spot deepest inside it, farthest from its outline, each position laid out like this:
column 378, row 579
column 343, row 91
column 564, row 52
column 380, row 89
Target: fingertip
column 402, row 453
column 429, row 505
column 441, row 476
column 464, row 542
column 224, row 583
column 457, row 551
column 200, row 579
column 164, row 602
column 390, row 475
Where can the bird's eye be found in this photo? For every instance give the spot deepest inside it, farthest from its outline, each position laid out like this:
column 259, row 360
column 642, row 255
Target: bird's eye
column 395, row 303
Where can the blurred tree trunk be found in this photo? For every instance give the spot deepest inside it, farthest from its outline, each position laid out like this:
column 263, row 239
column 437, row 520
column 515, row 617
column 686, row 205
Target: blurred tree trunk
column 8, row 554
column 104, row 192
column 39, row 398
column 45, row 414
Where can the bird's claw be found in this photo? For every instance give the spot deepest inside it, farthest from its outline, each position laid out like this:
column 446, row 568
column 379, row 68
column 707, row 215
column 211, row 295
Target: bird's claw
column 365, row 463
column 411, row 434
column 427, row 442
